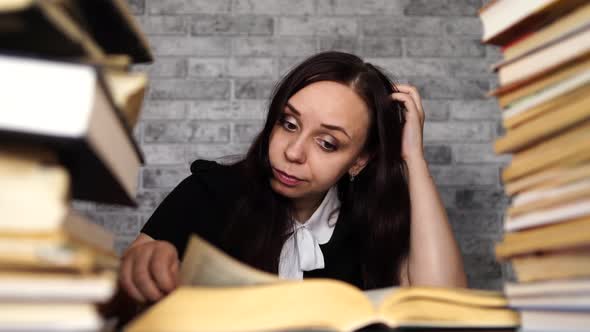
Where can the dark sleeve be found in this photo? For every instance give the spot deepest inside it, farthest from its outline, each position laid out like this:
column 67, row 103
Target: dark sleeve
column 175, row 218
column 200, row 204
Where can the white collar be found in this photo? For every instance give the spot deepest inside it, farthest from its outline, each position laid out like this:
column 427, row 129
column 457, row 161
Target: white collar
column 322, row 221
column 302, row 252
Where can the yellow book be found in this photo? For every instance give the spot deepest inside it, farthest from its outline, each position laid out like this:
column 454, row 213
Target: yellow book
column 568, row 234
column 510, row 96
column 550, row 178
column 552, row 266
column 548, row 198
column 546, row 35
column 569, row 148
column 521, row 114
column 557, row 118
column 215, row 298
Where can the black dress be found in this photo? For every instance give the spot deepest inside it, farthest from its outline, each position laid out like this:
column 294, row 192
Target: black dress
column 201, row 204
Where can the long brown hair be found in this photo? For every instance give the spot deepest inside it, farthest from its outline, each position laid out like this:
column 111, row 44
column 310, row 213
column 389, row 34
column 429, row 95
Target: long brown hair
column 378, row 199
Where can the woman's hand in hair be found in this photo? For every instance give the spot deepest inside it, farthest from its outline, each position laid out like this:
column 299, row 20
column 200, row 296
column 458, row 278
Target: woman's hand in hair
column 149, row 269
column 412, row 138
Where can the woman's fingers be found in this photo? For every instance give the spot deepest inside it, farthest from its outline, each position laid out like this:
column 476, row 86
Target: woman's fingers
column 163, row 259
column 142, row 277
column 126, row 276
column 408, row 103
column 413, row 92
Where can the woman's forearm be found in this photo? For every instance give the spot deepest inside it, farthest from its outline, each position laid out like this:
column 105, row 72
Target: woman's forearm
column 434, row 259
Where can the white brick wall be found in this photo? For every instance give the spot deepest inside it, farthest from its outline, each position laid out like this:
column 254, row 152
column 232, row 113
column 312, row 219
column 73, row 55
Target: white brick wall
column 217, row 61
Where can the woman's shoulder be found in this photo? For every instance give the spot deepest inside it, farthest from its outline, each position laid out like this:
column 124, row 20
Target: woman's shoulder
column 218, row 177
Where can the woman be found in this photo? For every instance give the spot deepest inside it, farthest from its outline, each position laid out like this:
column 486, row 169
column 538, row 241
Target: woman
column 335, row 185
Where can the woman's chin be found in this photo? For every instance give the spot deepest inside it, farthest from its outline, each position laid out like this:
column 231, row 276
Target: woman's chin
column 286, row 190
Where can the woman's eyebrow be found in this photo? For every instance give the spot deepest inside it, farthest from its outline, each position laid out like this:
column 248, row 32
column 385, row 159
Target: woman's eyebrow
column 327, row 126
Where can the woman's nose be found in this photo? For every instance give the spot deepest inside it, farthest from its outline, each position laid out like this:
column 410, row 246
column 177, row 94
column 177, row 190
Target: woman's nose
column 295, row 151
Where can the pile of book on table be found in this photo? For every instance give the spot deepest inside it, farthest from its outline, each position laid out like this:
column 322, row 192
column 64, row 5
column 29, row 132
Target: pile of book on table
column 68, row 103
column 544, row 93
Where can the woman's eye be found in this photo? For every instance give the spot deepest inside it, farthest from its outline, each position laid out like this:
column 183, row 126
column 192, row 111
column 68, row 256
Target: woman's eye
column 327, row 145
column 288, row 125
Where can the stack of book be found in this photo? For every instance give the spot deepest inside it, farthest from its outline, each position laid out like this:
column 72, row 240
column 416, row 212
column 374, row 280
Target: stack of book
column 544, row 93
column 68, row 103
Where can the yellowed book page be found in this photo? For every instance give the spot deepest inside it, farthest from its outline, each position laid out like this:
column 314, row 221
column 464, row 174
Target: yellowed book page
column 377, row 296
column 445, row 307
column 456, row 295
column 566, row 234
column 127, row 90
column 205, row 265
column 568, row 115
column 566, row 265
column 317, row 304
column 423, row 312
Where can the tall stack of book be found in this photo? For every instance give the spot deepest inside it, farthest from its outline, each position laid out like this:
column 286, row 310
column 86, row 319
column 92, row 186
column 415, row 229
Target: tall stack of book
column 544, row 93
column 68, row 103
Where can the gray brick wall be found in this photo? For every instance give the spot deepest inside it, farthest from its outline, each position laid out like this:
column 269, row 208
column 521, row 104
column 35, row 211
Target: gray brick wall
column 216, row 62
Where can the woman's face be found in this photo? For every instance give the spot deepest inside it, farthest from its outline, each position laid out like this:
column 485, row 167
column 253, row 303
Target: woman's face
column 319, row 138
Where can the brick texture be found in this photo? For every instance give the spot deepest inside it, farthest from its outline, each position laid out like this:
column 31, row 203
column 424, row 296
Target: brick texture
column 217, row 62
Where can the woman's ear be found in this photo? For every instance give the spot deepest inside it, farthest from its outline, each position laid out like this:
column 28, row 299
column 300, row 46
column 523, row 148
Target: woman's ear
column 359, row 164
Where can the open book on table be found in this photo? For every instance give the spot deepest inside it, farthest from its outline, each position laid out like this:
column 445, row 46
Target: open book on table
column 221, row 294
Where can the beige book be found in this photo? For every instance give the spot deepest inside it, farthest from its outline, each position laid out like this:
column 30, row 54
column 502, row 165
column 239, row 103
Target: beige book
column 548, row 34
column 570, row 71
column 72, row 114
column 547, row 287
column 515, row 118
column 26, row 286
column 545, row 125
column 28, row 178
column 571, row 48
column 551, row 178
column 64, row 317
column 547, row 198
column 67, row 258
column 504, row 20
column 568, row 302
column 540, row 217
column 77, row 245
column 552, row 266
column 568, row 234
column 569, row 148
column 549, row 321
column 258, row 301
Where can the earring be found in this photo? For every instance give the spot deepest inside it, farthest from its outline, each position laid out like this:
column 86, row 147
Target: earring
column 352, row 177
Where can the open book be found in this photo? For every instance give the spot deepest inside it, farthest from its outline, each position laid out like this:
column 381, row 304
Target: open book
column 221, row 294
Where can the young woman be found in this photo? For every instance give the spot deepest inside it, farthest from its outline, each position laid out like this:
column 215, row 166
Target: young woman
column 335, row 185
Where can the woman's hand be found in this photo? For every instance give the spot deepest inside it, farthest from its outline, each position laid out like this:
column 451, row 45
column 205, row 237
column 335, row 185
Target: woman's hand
column 412, row 139
column 149, row 269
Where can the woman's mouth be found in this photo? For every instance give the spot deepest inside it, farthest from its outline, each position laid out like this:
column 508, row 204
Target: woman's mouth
column 285, row 178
